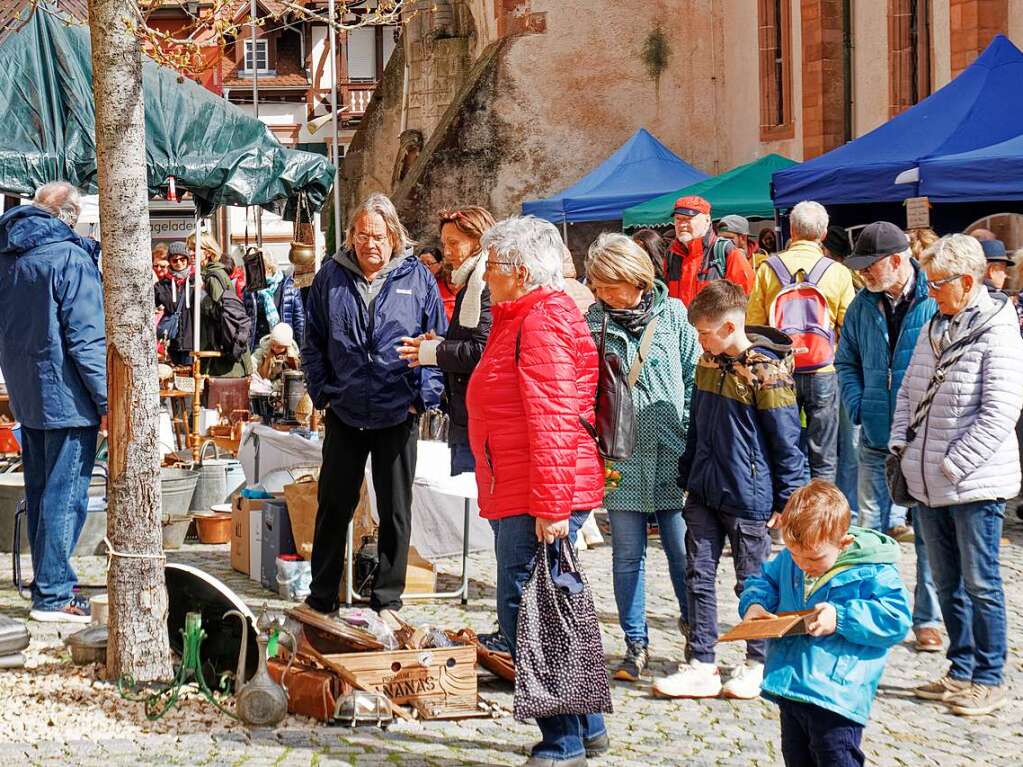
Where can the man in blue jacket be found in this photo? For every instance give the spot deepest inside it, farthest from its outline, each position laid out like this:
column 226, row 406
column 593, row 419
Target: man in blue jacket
column 362, row 303
column 878, row 338
column 53, row 356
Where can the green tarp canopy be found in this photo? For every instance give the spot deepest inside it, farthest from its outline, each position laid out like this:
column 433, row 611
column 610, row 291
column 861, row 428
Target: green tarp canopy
column 744, row 190
column 211, row 148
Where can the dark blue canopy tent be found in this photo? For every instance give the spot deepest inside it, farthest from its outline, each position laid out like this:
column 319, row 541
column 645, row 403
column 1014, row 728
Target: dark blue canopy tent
column 990, row 173
column 978, row 108
column 640, row 169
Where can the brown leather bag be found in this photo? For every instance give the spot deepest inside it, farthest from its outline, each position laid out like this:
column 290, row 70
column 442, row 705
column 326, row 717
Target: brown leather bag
column 228, row 394
column 499, row 664
column 312, row 691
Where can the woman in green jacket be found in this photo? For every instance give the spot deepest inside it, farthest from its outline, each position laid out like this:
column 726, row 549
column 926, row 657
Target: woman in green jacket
column 636, row 311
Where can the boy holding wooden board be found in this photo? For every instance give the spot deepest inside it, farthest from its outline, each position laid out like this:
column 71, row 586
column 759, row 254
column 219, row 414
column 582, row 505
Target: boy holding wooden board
column 824, row 680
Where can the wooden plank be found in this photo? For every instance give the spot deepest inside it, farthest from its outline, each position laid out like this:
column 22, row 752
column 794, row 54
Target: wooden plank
column 785, row 624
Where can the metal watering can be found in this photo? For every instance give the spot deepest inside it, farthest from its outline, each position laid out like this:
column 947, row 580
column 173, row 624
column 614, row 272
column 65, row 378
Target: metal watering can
column 260, row 701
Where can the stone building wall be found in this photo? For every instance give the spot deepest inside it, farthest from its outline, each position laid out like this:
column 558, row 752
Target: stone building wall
column 510, row 100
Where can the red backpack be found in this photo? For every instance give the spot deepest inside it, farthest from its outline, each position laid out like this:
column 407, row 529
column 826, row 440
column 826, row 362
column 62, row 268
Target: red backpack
column 801, row 311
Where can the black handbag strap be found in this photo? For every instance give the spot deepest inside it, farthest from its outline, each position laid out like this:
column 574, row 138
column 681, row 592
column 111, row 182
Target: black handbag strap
column 948, row 358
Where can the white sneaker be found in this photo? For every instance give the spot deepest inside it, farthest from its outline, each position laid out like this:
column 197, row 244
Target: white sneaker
column 745, row 681
column 692, row 680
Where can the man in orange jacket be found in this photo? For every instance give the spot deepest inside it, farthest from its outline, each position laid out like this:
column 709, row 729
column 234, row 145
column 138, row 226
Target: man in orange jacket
column 698, row 256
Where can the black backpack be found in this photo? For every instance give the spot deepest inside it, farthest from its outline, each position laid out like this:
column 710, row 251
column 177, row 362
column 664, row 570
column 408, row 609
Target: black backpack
column 231, row 325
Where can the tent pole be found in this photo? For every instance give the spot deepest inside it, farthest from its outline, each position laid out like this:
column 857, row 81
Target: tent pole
column 564, row 231
column 196, row 299
column 337, row 137
column 255, row 107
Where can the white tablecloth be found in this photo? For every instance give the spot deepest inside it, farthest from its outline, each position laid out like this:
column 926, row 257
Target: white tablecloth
column 438, row 499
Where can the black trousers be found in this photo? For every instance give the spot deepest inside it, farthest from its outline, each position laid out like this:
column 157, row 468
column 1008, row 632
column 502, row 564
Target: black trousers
column 345, row 449
column 812, row 736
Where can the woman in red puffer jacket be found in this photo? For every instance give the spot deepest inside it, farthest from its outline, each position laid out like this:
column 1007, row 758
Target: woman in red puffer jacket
column 537, row 469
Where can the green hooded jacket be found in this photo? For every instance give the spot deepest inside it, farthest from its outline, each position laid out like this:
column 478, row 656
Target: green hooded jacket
column 869, row 547
column 661, row 397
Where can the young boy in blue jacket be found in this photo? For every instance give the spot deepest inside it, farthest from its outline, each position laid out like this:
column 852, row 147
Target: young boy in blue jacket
column 824, row 682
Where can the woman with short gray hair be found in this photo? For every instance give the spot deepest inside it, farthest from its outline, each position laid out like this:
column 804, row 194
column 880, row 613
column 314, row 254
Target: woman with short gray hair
column 953, row 436
column 530, row 402
column 650, row 332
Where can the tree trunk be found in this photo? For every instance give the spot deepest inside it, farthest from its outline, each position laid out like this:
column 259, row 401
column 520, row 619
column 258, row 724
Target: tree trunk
column 138, row 643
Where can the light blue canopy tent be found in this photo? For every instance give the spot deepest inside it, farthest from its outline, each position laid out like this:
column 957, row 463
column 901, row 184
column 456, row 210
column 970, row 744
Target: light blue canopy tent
column 641, row 168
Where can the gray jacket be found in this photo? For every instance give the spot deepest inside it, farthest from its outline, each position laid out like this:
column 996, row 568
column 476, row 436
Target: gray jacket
column 965, row 449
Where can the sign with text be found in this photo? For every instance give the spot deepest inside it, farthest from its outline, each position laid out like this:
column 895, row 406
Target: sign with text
column 918, row 213
column 169, row 229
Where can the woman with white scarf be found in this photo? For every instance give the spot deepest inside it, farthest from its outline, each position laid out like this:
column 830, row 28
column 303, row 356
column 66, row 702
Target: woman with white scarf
column 460, row 350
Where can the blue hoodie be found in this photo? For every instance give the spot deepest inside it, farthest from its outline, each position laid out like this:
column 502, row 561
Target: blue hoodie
column 52, row 343
column 353, row 329
column 839, row 672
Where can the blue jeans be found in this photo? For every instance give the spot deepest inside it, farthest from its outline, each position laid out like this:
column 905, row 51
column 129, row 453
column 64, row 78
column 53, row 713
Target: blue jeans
column 563, row 736
column 628, row 565
column 848, row 457
column 812, row 736
column 58, row 466
column 817, row 396
column 962, row 542
column 877, row 511
column 926, row 608
column 706, row 531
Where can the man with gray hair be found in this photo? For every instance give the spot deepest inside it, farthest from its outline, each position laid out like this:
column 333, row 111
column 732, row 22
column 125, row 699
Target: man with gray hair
column 364, row 300
column 952, row 438
column 878, row 338
column 813, row 294
column 53, row 356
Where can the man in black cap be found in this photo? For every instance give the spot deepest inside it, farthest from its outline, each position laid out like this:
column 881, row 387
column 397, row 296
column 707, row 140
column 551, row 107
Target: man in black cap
column 878, row 337
column 998, row 263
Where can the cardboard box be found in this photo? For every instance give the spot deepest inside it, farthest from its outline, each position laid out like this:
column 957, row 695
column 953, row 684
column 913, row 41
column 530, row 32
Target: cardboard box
column 446, row 674
column 420, row 576
column 240, row 512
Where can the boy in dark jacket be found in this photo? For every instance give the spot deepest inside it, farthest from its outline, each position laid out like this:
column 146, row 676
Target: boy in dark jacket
column 824, row 682
column 741, row 463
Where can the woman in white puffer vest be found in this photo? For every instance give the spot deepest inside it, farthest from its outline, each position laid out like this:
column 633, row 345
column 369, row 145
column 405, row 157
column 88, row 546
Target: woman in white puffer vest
column 954, row 428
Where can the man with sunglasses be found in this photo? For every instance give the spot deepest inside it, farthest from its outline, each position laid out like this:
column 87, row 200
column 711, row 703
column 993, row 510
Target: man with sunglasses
column 880, row 332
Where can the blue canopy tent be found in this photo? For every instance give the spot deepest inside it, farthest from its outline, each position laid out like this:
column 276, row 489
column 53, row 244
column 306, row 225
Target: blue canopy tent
column 978, row 108
column 640, row 169
column 990, row 173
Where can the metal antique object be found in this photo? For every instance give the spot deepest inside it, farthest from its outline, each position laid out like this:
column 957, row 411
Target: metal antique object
column 359, row 708
column 303, row 256
column 260, row 701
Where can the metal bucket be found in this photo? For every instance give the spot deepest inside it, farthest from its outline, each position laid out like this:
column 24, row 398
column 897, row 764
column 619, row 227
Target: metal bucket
column 235, row 479
column 212, row 485
column 177, row 487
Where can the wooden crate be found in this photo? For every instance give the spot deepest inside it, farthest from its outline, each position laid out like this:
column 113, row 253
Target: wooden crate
column 436, row 674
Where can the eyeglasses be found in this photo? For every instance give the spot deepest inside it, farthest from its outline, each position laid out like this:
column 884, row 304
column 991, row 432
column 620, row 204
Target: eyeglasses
column 938, row 284
column 177, row 259
column 365, row 239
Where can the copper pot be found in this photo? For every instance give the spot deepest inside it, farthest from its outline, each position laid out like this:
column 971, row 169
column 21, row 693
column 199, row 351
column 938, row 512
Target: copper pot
column 302, row 255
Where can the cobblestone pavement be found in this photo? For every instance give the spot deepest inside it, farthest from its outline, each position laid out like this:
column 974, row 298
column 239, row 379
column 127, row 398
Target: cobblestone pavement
column 54, row 714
